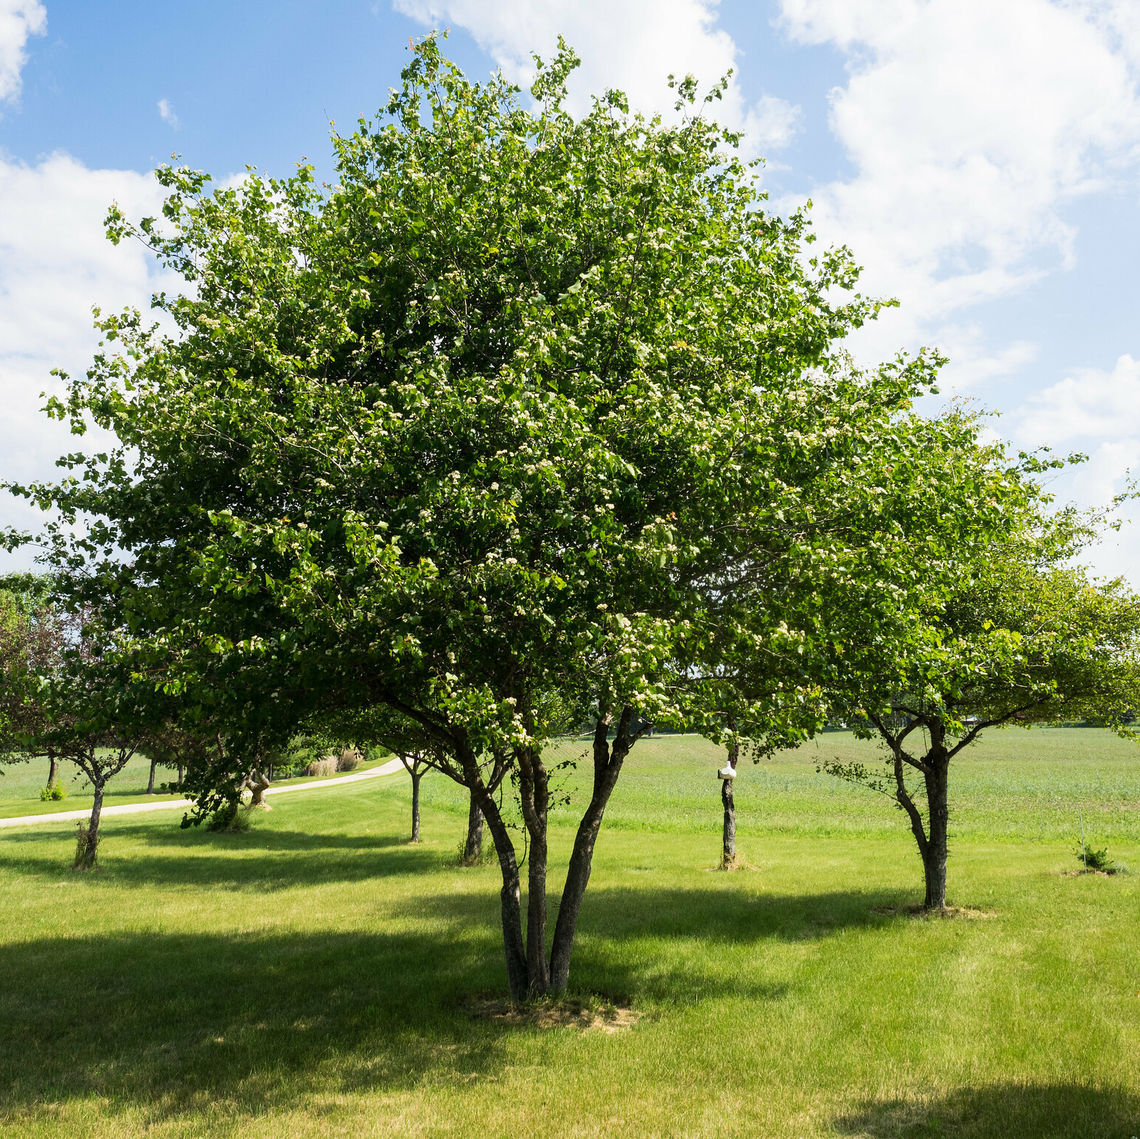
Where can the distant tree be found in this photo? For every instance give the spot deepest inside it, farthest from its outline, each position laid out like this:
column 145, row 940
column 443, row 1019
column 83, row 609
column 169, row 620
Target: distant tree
column 29, row 631
column 70, row 700
column 1024, row 638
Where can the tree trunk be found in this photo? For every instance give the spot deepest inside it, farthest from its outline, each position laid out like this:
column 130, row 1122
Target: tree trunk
column 87, row 839
column 935, row 854
column 728, row 837
column 510, row 897
column 258, row 784
column 728, row 859
column 416, row 777
column 150, row 780
column 473, row 847
column 53, row 770
column 534, row 796
column 607, row 768
column 181, row 776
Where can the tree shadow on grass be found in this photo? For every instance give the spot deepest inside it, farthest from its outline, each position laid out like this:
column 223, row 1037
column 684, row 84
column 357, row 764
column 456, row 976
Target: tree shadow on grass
column 258, row 859
column 1002, row 1111
column 710, row 915
column 715, row 922
column 171, row 1023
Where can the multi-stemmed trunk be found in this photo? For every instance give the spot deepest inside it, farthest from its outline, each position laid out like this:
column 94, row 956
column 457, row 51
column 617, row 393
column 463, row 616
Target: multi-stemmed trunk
column 608, row 759
column 258, row 783
column 531, row 972
column 930, row 834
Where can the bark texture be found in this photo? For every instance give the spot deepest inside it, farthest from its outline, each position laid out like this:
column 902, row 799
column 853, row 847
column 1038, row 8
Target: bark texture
column 473, row 845
column 416, row 777
column 938, row 812
column 87, row 838
column 608, row 759
column 728, row 857
column 258, row 783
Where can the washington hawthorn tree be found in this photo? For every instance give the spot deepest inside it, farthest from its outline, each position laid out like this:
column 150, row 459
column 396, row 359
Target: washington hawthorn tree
column 1023, row 637
column 524, row 410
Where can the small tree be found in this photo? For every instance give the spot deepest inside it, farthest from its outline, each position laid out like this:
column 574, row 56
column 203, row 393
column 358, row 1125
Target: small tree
column 1024, row 638
column 415, row 765
column 29, row 635
column 71, row 699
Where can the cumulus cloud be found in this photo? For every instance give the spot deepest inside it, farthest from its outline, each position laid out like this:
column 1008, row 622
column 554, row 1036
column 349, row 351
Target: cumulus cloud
column 971, row 126
column 55, row 264
column 1093, row 410
column 166, row 113
column 19, row 19
column 1092, row 403
column 632, row 45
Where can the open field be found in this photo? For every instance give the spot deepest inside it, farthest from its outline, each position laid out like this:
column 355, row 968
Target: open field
column 316, row 975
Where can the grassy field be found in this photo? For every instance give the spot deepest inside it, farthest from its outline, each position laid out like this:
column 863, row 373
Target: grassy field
column 319, row 976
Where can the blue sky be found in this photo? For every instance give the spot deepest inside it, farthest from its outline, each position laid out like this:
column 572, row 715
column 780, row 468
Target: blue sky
column 982, row 160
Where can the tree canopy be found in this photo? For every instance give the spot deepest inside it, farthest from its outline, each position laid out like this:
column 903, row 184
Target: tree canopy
column 525, row 412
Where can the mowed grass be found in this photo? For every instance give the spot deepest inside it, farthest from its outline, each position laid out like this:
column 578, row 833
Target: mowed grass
column 315, row 976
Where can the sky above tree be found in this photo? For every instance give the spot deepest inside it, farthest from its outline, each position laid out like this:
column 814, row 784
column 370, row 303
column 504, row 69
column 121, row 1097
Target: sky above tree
column 981, row 159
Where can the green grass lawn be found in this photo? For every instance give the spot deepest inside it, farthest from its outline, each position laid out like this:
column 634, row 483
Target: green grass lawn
column 316, row 975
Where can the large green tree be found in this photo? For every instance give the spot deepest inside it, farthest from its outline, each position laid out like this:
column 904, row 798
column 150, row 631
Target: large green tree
column 522, row 412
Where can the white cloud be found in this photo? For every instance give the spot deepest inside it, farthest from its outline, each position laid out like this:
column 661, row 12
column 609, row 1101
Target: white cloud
column 973, row 362
column 632, row 45
column 1093, row 410
column 1090, row 404
column 972, row 126
column 18, row 20
column 55, row 264
column 1106, row 473
column 166, row 113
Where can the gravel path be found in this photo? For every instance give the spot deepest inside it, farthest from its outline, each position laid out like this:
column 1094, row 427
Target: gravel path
column 180, row 804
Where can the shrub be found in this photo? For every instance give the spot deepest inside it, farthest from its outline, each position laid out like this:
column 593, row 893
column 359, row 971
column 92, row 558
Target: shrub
column 85, row 848
column 325, row 766
column 1095, row 859
column 228, row 819
column 53, row 793
column 349, row 759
